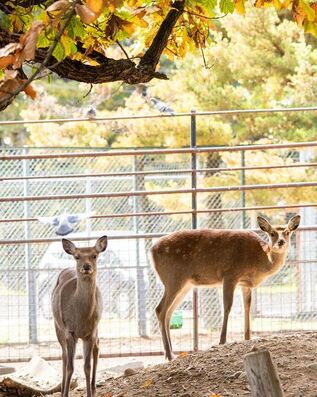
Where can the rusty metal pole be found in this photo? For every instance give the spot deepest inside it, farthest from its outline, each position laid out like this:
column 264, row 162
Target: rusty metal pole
column 193, row 139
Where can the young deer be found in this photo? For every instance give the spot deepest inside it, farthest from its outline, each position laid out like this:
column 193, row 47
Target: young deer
column 208, row 257
column 77, row 308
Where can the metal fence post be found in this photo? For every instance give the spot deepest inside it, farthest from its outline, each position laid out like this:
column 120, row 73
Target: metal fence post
column 30, row 272
column 243, row 193
column 193, row 143
column 140, row 283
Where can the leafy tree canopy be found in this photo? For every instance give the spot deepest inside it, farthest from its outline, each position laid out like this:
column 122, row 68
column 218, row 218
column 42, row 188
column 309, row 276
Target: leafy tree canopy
column 98, row 41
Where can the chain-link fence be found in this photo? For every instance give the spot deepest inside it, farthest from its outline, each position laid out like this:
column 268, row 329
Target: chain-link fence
column 137, row 196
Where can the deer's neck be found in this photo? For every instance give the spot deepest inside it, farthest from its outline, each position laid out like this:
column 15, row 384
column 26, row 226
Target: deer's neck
column 85, row 295
column 277, row 260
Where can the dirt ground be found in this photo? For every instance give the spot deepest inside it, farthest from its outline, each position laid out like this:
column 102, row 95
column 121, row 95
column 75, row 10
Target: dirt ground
column 220, row 371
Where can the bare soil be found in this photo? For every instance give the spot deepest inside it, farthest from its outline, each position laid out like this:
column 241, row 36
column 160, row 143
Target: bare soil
column 220, row 371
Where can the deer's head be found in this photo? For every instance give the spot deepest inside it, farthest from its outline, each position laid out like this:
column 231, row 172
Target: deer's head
column 279, row 235
column 86, row 258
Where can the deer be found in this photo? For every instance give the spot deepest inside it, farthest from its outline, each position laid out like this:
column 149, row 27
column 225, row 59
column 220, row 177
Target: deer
column 77, row 309
column 209, row 257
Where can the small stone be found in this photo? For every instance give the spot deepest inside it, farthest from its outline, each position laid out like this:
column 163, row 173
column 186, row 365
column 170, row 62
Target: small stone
column 129, row 372
column 312, row 366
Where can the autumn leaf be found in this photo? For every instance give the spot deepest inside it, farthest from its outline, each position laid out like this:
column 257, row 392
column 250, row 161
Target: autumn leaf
column 112, row 5
column 183, row 354
column 85, row 14
column 58, row 7
column 96, row 6
column 6, row 61
column 28, row 42
column 147, row 383
column 115, row 24
column 29, row 90
column 240, row 6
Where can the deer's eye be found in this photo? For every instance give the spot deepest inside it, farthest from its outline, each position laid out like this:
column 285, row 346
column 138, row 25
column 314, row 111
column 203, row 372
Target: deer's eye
column 273, row 234
column 76, row 257
column 94, row 256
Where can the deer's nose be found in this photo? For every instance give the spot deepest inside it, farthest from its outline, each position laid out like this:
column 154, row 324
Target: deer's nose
column 87, row 266
column 281, row 242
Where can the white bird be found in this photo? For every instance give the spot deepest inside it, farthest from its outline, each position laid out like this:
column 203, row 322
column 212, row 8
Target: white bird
column 161, row 106
column 64, row 223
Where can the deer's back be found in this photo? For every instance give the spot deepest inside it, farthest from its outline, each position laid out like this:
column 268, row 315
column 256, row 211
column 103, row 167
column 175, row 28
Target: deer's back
column 76, row 314
column 204, row 256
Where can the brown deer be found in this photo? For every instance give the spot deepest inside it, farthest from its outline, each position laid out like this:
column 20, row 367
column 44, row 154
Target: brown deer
column 77, row 308
column 193, row 258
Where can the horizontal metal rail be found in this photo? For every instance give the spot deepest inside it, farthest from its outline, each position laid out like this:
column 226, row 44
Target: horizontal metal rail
column 157, row 192
column 167, row 213
column 131, row 152
column 154, row 172
column 121, row 237
column 158, row 116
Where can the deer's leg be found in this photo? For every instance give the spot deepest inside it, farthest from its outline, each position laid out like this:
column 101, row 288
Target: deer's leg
column 95, row 354
column 246, row 293
column 88, row 345
column 164, row 312
column 62, row 342
column 228, row 291
column 70, row 351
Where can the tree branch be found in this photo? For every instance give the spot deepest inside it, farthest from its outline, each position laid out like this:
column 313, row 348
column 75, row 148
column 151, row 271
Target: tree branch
column 13, row 94
column 108, row 70
column 152, row 56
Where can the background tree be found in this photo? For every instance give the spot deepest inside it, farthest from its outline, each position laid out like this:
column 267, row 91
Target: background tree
column 73, row 38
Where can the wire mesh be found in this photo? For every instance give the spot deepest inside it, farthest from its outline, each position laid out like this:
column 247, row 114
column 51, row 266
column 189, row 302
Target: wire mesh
column 130, row 289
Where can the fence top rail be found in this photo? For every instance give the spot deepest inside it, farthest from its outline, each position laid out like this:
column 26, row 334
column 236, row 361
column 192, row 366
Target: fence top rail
column 307, row 228
column 138, row 193
column 155, row 115
column 137, row 152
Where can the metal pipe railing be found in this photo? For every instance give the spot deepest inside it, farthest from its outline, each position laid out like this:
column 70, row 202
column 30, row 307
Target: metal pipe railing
column 167, row 213
column 118, row 237
column 159, row 116
column 155, row 172
column 158, row 192
column 198, row 150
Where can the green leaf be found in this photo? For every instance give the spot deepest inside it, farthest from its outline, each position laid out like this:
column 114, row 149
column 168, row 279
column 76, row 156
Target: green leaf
column 43, row 41
column 226, row 6
column 59, row 52
column 209, row 5
column 4, row 21
column 75, row 29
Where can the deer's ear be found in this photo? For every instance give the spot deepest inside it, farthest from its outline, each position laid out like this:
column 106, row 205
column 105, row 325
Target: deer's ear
column 101, row 244
column 68, row 246
column 293, row 223
column 264, row 224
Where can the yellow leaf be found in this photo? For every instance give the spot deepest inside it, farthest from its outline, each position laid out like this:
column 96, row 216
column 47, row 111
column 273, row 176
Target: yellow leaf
column 310, row 13
column 147, row 383
column 310, row 27
column 96, row 6
column 183, row 354
column 240, row 7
